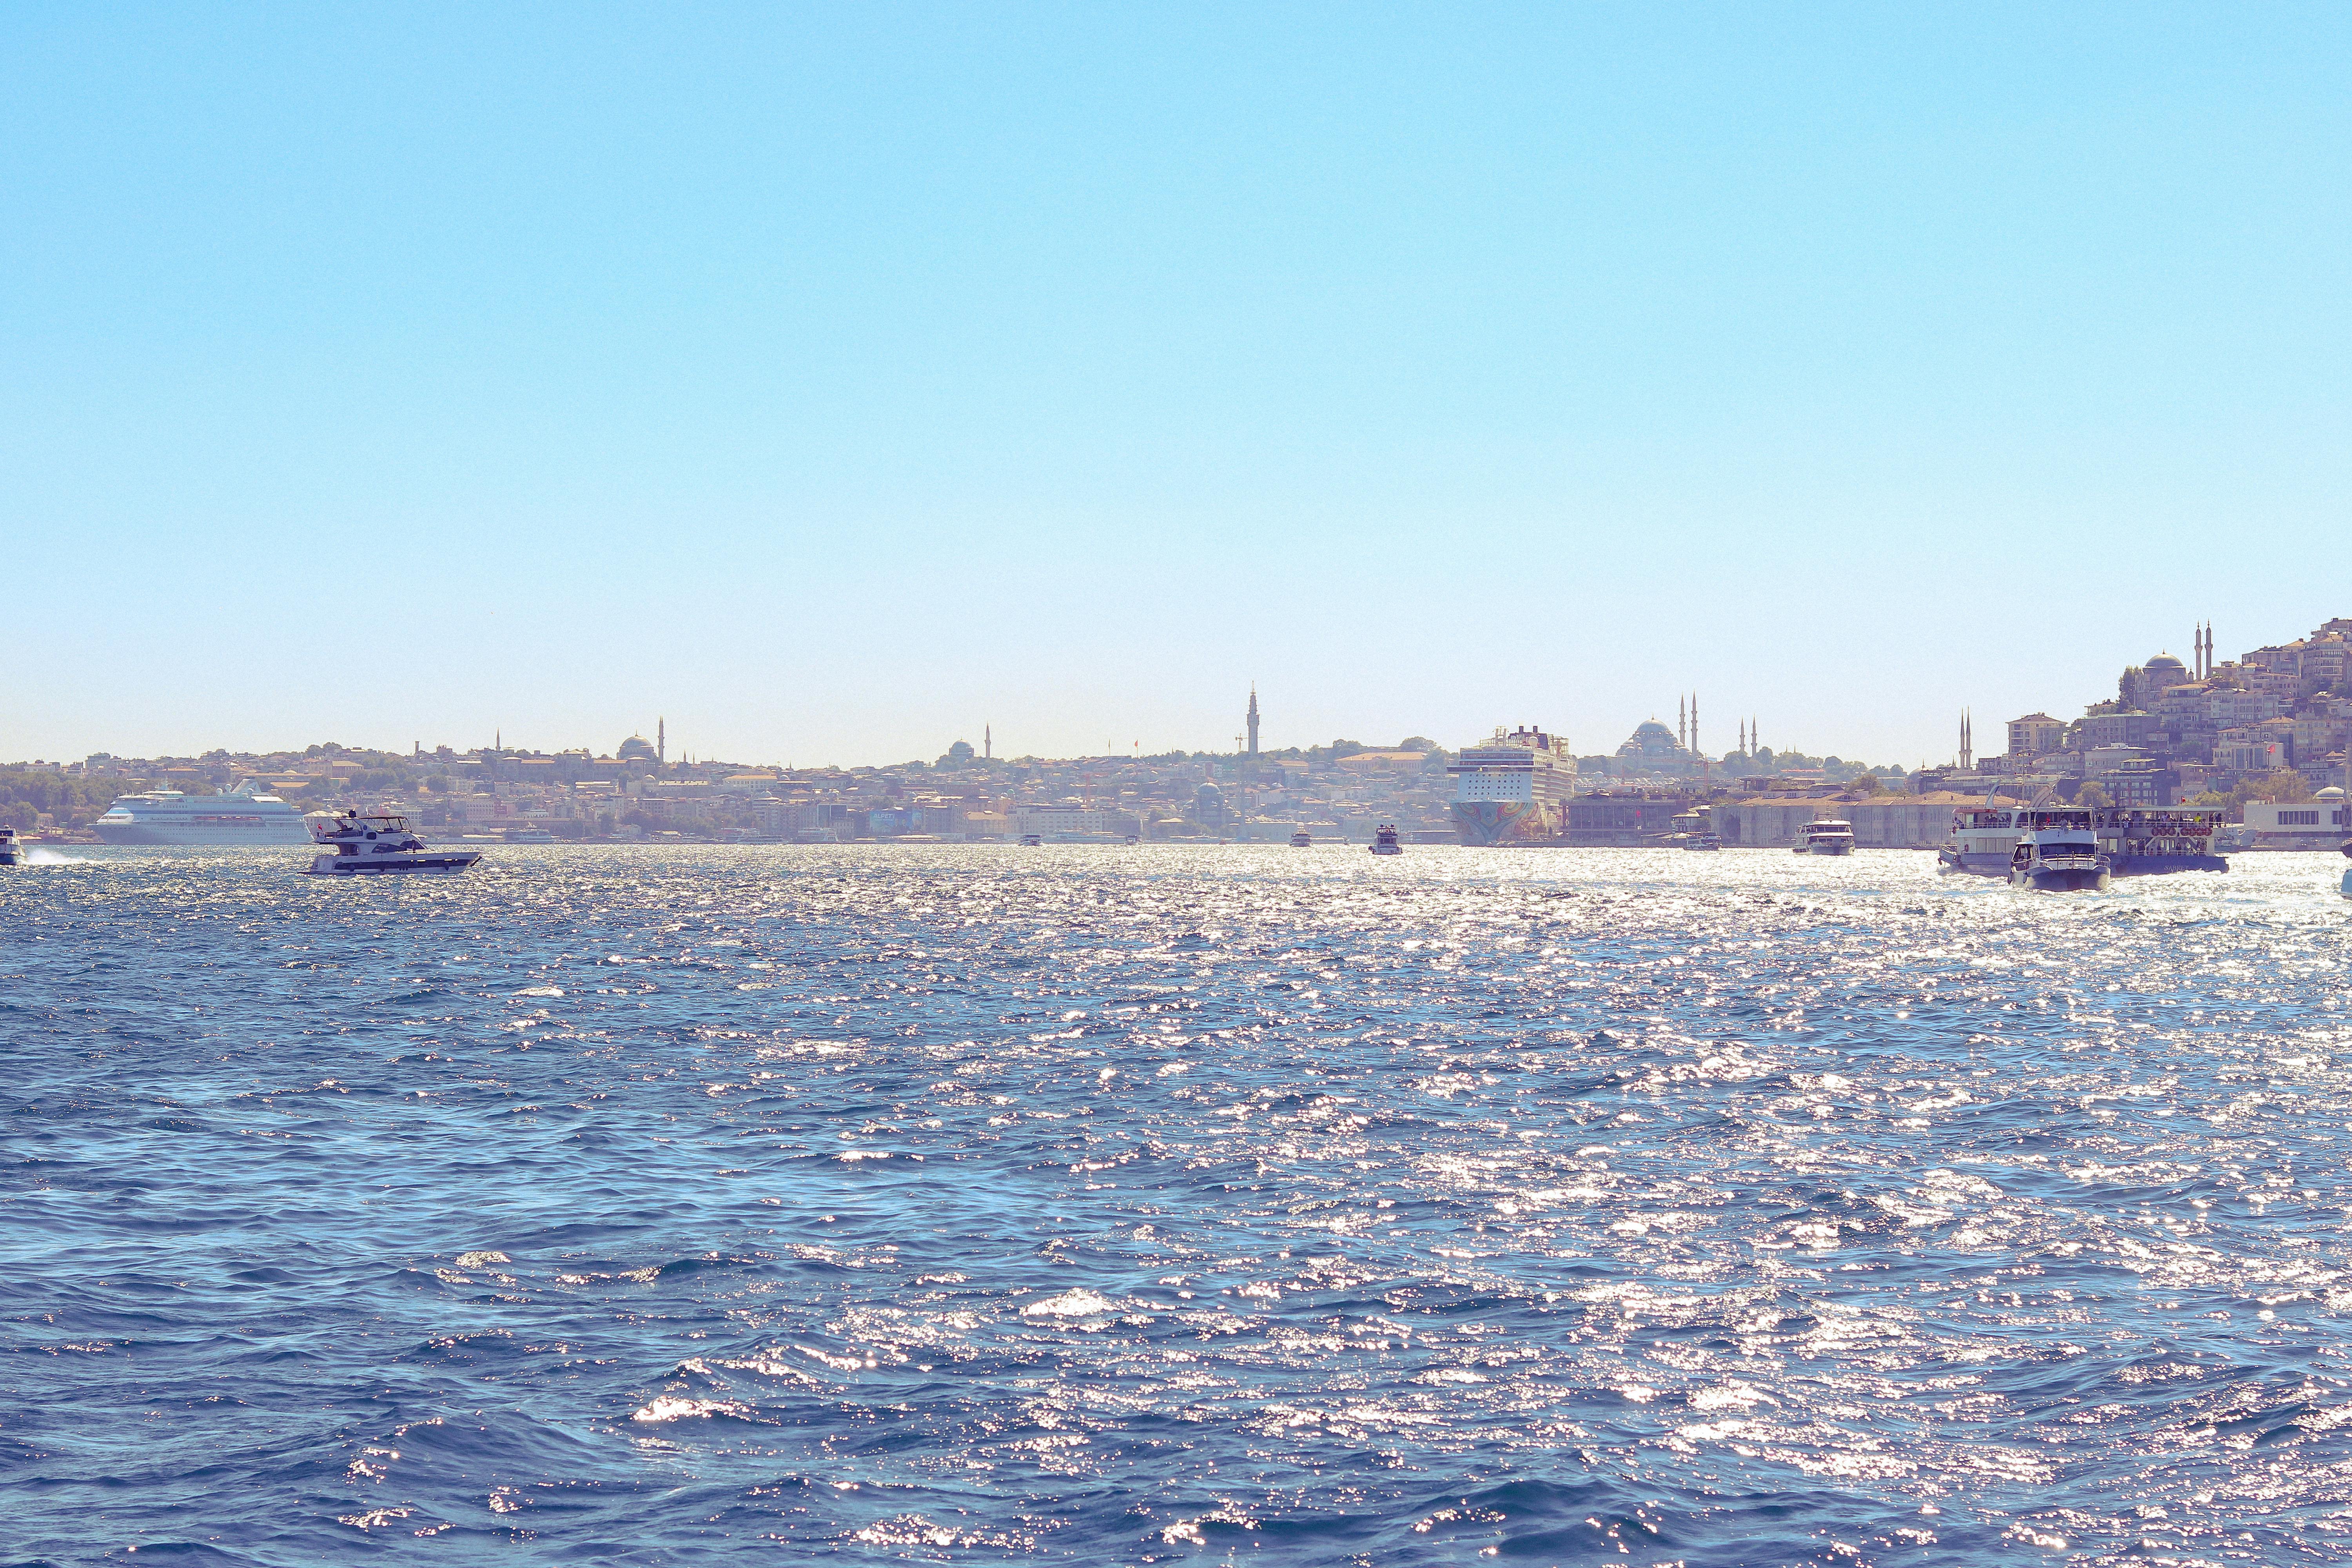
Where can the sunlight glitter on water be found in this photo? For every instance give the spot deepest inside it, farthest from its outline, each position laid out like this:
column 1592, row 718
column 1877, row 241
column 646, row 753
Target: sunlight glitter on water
column 952, row 1203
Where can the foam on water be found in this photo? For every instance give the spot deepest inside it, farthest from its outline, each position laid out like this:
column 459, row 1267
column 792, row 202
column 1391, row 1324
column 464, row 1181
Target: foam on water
column 975, row 1203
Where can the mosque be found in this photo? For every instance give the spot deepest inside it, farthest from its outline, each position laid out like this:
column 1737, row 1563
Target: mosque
column 1653, row 748
column 637, row 749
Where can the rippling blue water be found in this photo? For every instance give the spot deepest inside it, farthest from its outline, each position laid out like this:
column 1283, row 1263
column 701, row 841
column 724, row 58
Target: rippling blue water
column 1126, row 1205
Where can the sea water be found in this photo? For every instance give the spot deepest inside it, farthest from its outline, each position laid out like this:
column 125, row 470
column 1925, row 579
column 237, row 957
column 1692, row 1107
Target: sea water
column 1101, row 1204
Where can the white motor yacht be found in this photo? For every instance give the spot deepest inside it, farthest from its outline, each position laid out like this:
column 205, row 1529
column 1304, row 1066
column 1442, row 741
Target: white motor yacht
column 11, row 852
column 2059, row 854
column 358, row 845
column 1384, row 842
column 1828, row 836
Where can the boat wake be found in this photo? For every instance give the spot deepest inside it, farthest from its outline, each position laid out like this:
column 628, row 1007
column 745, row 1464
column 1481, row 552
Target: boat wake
column 51, row 858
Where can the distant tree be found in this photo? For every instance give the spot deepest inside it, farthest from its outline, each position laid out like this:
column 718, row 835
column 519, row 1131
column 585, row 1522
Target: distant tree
column 1865, row 786
column 1417, row 743
column 2092, row 794
column 2283, row 787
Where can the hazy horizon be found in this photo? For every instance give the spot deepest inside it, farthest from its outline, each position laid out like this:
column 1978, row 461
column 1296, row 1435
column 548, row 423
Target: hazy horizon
column 835, row 382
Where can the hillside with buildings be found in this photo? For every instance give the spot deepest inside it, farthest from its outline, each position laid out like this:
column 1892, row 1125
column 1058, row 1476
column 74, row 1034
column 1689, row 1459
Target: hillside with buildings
column 2272, row 724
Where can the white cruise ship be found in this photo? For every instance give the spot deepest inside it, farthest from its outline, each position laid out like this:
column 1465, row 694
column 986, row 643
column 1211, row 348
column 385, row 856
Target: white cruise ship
column 1514, row 787
column 168, row 816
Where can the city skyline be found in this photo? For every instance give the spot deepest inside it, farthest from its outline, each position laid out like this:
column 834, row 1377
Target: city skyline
column 1746, row 729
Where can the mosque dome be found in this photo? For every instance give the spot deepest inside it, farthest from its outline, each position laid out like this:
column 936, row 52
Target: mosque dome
column 1650, row 739
column 2163, row 667
column 635, row 749
column 2330, row 793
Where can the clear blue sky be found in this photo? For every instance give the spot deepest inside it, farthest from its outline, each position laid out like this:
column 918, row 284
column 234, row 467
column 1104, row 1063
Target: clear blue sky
column 835, row 381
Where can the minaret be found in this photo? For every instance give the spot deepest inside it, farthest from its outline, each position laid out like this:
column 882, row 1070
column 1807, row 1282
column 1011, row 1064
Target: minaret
column 1968, row 751
column 661, row 739
column 1692, row 742
column 987, row 743
column 1682, row 724
column 1252, row 719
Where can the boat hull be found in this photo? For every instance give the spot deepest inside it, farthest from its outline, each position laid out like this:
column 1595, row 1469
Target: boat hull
column 1951, row 860
column 2083, row 879
column 431, row 865
column 1486, row 822
column 266, row 832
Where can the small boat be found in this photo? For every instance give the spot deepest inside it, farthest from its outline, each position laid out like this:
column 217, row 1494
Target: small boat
column 1135, row 838
column 1384, row 842
column 529, row 836
column 360, row 844
column 11, row 852
column 1032, row 841
column 1302, row 840
column 1704, row 841
column 2059, row 856
column 1827, row 836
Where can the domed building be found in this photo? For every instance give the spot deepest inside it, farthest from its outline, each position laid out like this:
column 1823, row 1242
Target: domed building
column 635, row 749
column 2142, row 684
column 1652, row 745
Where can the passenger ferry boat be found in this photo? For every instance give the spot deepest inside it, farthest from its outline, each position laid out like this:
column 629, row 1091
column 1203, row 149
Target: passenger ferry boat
column 11, row 853
column 1384, row 842
column 2137, row 841
column 1828, row 836
column 2059, row 854
column 1033, row 841
column 1302, row 840
column 168, row 816
column 376, row 846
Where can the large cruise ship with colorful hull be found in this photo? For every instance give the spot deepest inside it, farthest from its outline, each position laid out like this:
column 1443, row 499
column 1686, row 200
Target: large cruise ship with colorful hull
column 166, row 816
column 1514, row 787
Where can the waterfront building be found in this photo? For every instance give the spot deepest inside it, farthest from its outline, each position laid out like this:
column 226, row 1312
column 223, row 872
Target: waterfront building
column 1624, row 819
column 2318, row 824
column 1049, row 821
